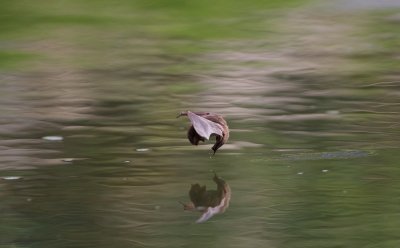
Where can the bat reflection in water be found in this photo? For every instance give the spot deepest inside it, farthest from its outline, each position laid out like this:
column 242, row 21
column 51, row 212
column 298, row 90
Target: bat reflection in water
column 209, row 202
column 204, row 125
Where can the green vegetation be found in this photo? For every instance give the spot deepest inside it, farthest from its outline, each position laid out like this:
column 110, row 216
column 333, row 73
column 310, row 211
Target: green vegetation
column 101, row 23
column 12, row 60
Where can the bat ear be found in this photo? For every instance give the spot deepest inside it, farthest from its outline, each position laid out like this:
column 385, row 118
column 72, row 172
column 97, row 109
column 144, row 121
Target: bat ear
column 205, row 128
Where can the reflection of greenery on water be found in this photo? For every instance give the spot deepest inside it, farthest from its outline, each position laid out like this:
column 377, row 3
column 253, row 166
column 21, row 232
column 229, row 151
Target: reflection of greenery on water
column 99, row 23
column 197, row 19
column 133, row 64
column 378, row 59
column 10, row 59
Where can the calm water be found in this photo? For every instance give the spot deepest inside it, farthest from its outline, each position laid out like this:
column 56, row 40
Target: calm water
column 93, row 156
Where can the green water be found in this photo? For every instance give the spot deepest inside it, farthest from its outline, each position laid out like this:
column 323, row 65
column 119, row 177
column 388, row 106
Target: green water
column 310, row 90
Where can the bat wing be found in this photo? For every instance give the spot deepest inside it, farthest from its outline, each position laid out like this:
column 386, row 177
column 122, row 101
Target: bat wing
column 205, row 128
column 210, row 212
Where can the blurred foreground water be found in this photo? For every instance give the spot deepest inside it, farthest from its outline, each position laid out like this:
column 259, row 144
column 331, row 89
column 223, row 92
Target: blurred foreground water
column 93, row 156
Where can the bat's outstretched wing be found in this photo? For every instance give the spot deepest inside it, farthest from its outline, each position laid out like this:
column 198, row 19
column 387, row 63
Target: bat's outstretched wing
column 210, row 212
column 205, row 128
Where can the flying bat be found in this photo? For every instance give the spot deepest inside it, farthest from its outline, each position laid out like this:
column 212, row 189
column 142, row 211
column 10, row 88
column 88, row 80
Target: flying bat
column 204, row 125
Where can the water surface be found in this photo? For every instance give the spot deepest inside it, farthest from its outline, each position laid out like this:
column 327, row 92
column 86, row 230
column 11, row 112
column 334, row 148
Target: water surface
column 93, row 156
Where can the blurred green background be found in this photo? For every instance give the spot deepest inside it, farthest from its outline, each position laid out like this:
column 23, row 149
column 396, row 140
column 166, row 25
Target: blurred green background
column 92, row 154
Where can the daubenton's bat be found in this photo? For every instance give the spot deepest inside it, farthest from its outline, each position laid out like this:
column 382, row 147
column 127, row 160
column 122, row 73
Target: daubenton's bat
column 205, row 125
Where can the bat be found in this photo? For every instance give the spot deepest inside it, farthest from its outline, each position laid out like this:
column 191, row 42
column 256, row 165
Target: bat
column 204, row 126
